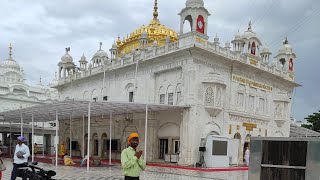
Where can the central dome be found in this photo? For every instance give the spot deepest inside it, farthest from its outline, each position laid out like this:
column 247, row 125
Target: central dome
column 155, row 30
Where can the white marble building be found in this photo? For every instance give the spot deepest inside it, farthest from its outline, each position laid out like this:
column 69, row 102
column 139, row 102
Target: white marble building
column 15, row 93
column 236, row 91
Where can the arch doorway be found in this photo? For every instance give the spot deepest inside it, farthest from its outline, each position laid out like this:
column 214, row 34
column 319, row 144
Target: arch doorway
column 104, row 148
column 95, row 144
column 238, row 155
column 246, row 143
column 85, row 144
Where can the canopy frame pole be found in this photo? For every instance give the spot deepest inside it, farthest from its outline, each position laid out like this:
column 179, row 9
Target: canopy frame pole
column 83, row 134
column 57, row 139
column 88, row 150
column 146, row 134
column 10, row 140
column 43, row 138
column 32, row 137
column 21, row 123
column 110, row 138
column 70, row 143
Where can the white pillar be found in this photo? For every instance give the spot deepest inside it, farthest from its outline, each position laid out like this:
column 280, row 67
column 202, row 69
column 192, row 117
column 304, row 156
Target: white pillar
column 10, row 147
column 57, row 138
column 21, row 124
column 70, row 143
column 146, row 134
column 43, row 139
column 83, row 136
column 32, row 138
column 88, row 150
column 110, row 138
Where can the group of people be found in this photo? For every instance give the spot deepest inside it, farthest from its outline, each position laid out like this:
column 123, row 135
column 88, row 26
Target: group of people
column 131, row 158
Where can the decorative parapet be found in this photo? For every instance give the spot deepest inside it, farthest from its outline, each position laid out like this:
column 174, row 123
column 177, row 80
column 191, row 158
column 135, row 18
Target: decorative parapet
column 185, row 40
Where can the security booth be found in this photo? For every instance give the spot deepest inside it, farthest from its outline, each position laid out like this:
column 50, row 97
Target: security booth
column 216, row 151
column 275, row 158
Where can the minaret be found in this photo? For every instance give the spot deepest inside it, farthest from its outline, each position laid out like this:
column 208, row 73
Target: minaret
column 114, row 50
column 83, row 62
column 196, row 14
column 286, row 57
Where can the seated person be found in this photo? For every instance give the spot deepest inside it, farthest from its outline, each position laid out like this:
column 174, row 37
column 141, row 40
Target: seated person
column 67, row 160
column 84, row 161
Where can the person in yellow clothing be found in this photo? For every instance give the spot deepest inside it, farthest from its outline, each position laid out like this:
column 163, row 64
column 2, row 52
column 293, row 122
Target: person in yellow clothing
column 62, row 150
column 67, row 160
column 131, row 159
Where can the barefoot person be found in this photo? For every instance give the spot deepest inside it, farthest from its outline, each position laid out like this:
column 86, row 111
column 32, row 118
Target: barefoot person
column 131, row 159
column 21, row 155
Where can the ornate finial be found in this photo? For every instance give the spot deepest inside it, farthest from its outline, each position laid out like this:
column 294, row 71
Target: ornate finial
column 100, row 45
column 40, row 80
column 286, row 41
column 155, row 12
column 67, row 49
column 249, row 26
column 10, row 50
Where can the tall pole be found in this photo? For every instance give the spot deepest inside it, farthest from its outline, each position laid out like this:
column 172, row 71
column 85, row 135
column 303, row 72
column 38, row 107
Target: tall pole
column 146, row 134
column 110, row 137
column 21, row 124
column 57, row 138
column 43, row 139
column 32, row 138
column 83, row 133
column 10, row 140
column 88, row 150
column 70, row 143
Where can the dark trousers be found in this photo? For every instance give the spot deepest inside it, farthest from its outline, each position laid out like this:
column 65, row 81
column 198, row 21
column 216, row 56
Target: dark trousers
column 131, row 178
column 14, row 172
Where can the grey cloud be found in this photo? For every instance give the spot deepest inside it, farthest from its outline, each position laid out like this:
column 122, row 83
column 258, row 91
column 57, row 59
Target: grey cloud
column 41, row 29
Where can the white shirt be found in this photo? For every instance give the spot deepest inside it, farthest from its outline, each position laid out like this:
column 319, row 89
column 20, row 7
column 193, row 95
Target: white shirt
column 23, row 148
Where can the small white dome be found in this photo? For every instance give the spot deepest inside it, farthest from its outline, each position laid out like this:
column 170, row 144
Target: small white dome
column 286, row 48
column 114, row 46
column 194, row 3
column 100, row 53
column 83, row 58
column 155, row 43
column 237, row 36
column 67, row 58
column 10, row 63
column 144, row 35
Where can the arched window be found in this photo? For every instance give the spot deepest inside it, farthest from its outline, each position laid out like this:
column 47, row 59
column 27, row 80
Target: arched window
column 130, row 91
column 85, row 95
column 162, row 93
column 187, row 24
column 291, row 64
column 170, row 95
column 253, row 48
column 209, row 97
column 94, row 95
column 179, row 93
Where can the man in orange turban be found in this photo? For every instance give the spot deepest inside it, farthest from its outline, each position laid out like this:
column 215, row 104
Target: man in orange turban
column 131, row 159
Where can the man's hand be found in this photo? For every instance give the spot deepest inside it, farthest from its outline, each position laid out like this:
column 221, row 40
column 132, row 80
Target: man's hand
column 138, row 154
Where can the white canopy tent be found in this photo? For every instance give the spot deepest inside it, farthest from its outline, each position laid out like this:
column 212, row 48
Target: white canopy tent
column 79, row 109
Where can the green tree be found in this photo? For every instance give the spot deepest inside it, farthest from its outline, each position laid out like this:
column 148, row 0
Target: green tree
column 313, row 122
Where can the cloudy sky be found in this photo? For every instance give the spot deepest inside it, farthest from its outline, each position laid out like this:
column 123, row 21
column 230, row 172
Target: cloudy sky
column 41, row 29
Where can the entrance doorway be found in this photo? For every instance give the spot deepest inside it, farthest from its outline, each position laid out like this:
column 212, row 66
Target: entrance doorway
column 246, row 144
column 163, row 148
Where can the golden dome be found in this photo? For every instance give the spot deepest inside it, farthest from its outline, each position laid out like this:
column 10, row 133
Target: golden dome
column 155, row 30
